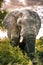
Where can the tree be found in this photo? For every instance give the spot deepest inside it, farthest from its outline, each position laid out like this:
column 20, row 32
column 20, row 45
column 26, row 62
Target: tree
column 2, row 13
column 1, row 3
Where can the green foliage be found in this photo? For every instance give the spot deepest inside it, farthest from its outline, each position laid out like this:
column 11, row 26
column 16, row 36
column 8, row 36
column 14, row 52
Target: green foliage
column 4, row 53
column 2, row 15
column 13, row 55
column 9, row 54
column 1, row 3
column 1, row 0
column 39, row 45
column 39, row 49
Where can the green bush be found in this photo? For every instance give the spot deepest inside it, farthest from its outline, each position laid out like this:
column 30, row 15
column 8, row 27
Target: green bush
column 39, row 45
column 3, row 13
column 11, row 54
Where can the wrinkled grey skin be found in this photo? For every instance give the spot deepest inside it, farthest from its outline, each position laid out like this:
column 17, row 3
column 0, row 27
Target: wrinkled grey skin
column 13, row 30
column 23, row 23
column 30, row 22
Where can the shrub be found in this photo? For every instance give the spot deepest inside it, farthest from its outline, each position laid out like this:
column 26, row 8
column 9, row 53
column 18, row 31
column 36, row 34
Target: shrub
column 11, row 54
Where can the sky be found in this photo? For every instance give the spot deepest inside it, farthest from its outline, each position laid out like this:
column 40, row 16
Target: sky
column 36, row 5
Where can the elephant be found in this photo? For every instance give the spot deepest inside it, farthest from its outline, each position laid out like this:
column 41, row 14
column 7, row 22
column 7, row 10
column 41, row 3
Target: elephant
column 22, row 24
column 30, row 24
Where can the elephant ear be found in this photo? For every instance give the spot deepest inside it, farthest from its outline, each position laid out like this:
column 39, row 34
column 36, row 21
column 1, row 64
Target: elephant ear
column 8, row 19
column 38, row 22
column 36, row 18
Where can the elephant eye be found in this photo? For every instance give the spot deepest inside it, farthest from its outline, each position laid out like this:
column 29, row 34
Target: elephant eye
column 5, row 23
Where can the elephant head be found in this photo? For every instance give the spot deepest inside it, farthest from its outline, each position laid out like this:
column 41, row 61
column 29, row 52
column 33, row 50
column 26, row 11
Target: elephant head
column 23, row 23
column 30, row 22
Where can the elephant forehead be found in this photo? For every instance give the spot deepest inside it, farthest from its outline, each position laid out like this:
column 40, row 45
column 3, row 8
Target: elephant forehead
column 30, row 20
column 27, row 21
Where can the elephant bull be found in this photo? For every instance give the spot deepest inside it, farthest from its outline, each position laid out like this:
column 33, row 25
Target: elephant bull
column 23, row 23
